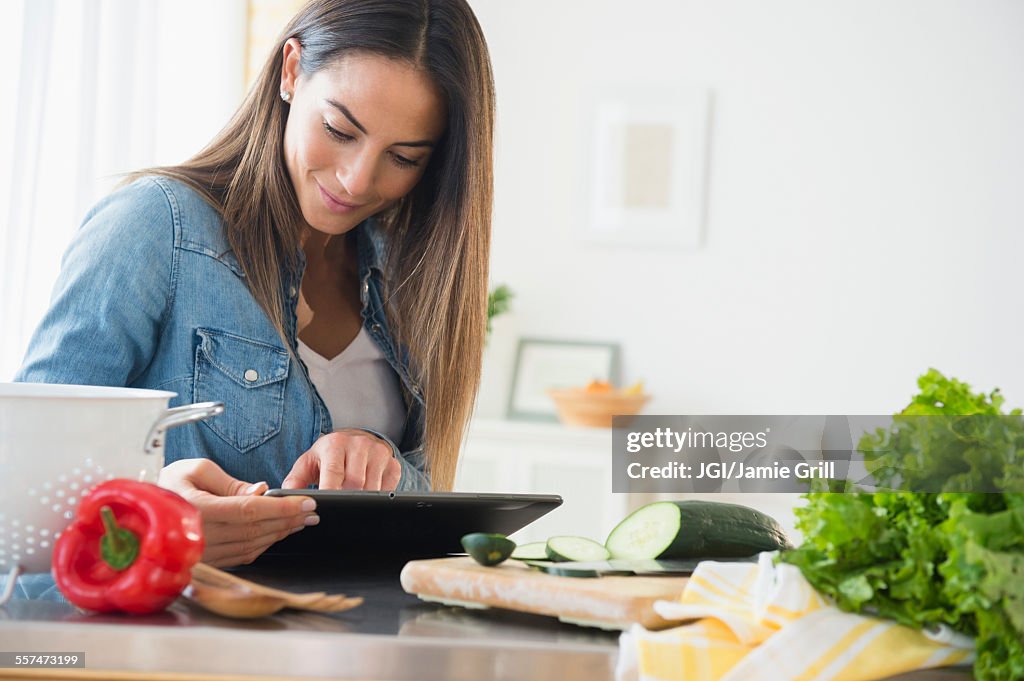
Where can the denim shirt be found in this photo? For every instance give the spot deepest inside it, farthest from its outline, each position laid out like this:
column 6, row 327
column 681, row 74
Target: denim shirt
column 150, row 295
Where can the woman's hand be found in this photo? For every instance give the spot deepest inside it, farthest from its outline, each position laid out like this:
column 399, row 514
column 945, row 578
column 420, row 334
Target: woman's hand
column 239, row 524
column 346, row 459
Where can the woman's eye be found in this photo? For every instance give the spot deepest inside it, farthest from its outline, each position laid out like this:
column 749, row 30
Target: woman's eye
column 337, row 134
column 403, row 162
column 398, row 160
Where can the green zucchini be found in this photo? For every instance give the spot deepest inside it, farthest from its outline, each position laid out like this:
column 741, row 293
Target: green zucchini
column 533, row 551
column 564, row 549
column 488, row 549
column 695, row 529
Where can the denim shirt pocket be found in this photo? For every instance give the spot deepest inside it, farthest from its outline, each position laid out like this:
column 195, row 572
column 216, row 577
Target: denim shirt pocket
column 249, row 377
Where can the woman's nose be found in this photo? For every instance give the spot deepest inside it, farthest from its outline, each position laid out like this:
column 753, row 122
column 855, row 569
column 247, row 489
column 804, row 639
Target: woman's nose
column 357, row 175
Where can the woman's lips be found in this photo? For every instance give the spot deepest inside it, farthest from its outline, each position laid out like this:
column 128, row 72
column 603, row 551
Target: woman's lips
column 333, row 204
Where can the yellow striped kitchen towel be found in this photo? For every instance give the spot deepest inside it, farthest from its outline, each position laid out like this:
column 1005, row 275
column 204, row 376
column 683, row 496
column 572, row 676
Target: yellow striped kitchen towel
column 765, row 622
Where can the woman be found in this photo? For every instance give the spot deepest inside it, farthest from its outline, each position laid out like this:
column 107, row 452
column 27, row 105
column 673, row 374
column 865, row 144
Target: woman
column 320, row 267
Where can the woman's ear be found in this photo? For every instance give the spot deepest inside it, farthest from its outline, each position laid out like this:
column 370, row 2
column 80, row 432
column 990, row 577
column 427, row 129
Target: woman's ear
column 290, row 68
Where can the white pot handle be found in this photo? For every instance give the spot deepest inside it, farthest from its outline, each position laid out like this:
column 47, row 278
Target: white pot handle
column 179, row 416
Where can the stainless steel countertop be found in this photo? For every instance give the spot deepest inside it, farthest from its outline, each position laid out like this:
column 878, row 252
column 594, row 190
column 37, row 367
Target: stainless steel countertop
column 392, row 636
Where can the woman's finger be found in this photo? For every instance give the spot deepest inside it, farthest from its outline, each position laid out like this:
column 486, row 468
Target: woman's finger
column 222, row 498
column 306, row 469
column 392, row 475
column 248, row 510
column 376, row 464
column 201, row 474
column 355, row 468
column 334, row 464
column 236, row 553
column 226, row 533
column 234, row 548
column 256, row 489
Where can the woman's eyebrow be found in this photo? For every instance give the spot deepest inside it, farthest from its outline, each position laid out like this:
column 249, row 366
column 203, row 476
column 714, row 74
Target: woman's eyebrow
column 352, row 119
column 348, row 114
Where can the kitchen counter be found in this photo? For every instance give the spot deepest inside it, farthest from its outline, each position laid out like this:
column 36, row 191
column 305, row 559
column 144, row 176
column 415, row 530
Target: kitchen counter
column 392, row 636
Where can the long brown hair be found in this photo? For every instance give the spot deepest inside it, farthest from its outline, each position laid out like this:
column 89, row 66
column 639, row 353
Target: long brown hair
column 438, row 236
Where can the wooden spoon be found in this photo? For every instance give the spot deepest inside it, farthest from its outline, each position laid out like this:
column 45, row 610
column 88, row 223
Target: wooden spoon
column 232, row 596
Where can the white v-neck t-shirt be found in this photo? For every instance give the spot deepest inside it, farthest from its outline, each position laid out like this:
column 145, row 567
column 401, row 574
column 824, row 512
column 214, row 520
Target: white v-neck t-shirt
column 359, row 387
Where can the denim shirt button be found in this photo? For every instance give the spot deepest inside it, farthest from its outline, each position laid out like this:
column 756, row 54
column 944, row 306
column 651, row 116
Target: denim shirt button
column 292, row 292
column 252, row 375
column 375, row 328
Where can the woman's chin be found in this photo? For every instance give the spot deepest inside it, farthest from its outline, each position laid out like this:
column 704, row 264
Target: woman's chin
column 324, row 222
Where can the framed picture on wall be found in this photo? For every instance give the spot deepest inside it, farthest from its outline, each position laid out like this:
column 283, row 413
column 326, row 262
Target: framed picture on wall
column 543, row 363
column 648, row 152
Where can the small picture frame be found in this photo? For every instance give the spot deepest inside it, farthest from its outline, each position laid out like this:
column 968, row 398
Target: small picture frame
column 648, row 166
column 543, row 363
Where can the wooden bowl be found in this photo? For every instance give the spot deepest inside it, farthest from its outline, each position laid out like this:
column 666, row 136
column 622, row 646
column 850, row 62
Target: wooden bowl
column 577, row 407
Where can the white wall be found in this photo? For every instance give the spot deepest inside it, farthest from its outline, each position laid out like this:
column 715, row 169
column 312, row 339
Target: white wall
column 170, row 81
column 201, row 73
column 864, row 208
column 863, row 204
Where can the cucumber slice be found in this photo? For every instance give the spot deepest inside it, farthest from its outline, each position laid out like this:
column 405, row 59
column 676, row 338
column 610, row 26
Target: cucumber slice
column 533, row 551
column 695, row 529
column 564, row 549
column 555, row 569
column 646, row 532
column 488, row 549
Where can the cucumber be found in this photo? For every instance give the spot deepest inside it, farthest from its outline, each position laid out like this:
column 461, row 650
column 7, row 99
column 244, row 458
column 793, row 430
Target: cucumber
column 488, row 549
column 563, row 549
column 533, row 551
column 556, row 569
column 694, row 529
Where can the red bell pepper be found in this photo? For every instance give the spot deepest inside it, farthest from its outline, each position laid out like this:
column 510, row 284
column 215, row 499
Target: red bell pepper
column 131, row 548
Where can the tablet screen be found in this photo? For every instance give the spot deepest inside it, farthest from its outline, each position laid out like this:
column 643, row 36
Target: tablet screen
column 405, row 525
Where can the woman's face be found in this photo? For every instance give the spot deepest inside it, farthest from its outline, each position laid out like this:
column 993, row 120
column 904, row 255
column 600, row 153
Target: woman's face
column 359, row 135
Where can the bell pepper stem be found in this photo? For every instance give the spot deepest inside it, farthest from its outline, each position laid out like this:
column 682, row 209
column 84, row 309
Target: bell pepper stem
column 119, row 546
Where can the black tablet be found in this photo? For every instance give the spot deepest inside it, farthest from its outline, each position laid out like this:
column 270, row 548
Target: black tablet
column 405, row 525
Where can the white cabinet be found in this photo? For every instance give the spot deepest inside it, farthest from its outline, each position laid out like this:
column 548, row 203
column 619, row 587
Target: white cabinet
column 543, row 458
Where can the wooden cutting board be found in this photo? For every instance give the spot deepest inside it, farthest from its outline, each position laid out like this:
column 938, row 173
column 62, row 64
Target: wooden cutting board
column 605, row 602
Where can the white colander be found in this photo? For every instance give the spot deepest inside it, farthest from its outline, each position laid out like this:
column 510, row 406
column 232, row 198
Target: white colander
column 57, row 441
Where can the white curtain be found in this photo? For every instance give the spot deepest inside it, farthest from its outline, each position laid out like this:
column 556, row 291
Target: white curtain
column 100, row 88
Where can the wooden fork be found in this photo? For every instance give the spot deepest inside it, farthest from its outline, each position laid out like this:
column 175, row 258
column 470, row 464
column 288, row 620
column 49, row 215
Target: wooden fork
column 232, row 596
